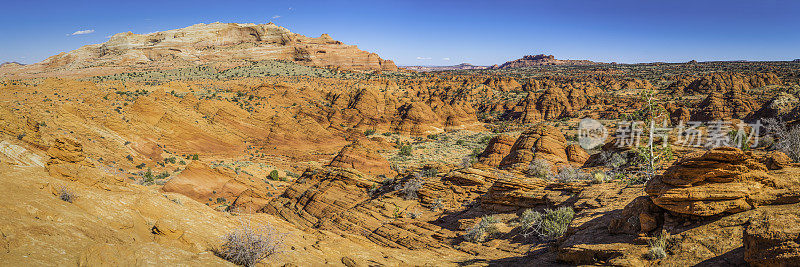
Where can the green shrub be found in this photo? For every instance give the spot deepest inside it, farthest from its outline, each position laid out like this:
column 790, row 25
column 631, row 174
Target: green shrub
column 549, row 224
column 482, row 230
column 273, row 175
column 369, row 132
column 405, row 151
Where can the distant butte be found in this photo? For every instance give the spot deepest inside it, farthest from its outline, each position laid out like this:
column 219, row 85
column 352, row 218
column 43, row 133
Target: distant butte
column 541, row 60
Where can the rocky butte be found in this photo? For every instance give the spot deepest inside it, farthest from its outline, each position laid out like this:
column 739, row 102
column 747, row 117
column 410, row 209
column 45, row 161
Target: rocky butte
column 540, row 60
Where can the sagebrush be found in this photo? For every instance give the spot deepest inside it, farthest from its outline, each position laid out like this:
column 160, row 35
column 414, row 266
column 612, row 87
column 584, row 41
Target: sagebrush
column 549, row 224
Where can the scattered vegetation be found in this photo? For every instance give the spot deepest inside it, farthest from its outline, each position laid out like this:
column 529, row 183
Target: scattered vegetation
column 786, row 139
column 409, row 188
column 405, row 151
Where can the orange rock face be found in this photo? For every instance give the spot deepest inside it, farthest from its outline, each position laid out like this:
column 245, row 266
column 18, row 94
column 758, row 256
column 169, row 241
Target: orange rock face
column 498, row 147
column 217, row 186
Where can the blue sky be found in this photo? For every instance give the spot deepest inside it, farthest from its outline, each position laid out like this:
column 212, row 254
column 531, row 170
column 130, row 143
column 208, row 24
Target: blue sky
column 440, row 32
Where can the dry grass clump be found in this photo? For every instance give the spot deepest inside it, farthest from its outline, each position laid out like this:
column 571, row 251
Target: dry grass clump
column 409, row 189
column 249, row 245
column 658, row 248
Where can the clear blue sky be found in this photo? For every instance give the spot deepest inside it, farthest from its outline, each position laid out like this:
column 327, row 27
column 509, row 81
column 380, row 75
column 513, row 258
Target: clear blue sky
column 431, row 32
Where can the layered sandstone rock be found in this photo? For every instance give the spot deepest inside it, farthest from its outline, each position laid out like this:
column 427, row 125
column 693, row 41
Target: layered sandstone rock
column 515, row 194
column 732, row 105
column 218, row 186
column 722, row 83
column 359, row 157
column 338, row 199
column 498, row 147
column 722, row 180
column 68, row 161
column 542, row 142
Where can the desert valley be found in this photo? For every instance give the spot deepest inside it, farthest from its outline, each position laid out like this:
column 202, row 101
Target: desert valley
column 248, row 144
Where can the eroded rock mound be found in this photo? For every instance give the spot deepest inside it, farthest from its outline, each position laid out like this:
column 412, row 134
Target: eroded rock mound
column 542, row 142
column 722, row 180
column 539, row 60
column 498, row 147
column 359, row 157
column 207, row 43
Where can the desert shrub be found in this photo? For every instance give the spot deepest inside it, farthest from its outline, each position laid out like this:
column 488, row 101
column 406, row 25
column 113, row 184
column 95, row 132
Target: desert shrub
column 600, row 177
column 614, row 161
column 481, row 230
column 437, row 204
column 249, row 245
column 273, row 175
column 369, row 132
column 467, row 162
column 405, row 150
column 387, row 134
column 570, row 174
column 65, row 194
column 786, row 139
column 658, row 247
column 409, row 188
column 413, row 215
column 549, row 224
column 540, row 168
